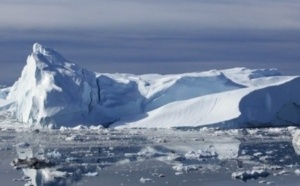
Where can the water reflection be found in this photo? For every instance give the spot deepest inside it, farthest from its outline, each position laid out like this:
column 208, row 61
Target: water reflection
column 191, row 151
column 40, row 170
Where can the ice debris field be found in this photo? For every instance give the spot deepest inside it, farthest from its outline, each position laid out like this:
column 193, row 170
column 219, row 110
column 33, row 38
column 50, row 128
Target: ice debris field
column 53, row 92
column 106, row 156
column 96, row 155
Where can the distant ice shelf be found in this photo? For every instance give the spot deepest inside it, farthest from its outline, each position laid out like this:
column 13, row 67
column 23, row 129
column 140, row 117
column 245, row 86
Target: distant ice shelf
column 54, row 92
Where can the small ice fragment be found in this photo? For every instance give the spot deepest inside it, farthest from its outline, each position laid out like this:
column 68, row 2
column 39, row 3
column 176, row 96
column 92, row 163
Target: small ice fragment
column 175, row 157
column 99, row 127
column 160, row 140
column 145, row 180
column 201, row 154
column 297, row 172
column 250, row 174
column 198, row 139
column 262, row 181
column 80, row 127
column 283, row 172
column 270, row 183
column 26, row 178
column 122, row 162
column 54, row 154
column 186, row 168
column 258, row 154
column 161, row 175
column 91, row 174
column 62, row 128
column 73, row 138
column 23, row 145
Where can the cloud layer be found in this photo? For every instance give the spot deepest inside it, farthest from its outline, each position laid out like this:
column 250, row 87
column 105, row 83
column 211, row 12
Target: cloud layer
column 154, row 14
column 153, row 36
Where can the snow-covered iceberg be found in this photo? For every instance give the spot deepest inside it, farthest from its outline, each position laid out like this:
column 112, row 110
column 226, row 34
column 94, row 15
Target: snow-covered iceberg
column 54, row 92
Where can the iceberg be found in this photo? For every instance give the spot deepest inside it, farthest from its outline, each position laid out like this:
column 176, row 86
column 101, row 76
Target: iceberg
column 53, row 92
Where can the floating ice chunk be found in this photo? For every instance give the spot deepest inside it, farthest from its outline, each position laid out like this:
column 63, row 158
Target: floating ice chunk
column 58, row 174
column 149, row 152
column 161, row 175
column 130, row 154
column 23, row 145
column 268, row 167
column 192, row 155
column 160, row 140
column 258, row 154
column 54, row 154
column 98, row 127
column 122, row 162
column 145, row 180
column 186, row 168
column 80, row 127
column 297, row 172
column 175, row 157
column 73, row 137
column 207, row 153
column 71, row 159
column 32, row 163
column 250, row 174
column 201, row 154
column 62, row 128
column 283, row 172
column 90, row 174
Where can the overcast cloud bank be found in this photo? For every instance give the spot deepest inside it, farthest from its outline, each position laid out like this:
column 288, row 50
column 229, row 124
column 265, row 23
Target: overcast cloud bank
column 133, row 35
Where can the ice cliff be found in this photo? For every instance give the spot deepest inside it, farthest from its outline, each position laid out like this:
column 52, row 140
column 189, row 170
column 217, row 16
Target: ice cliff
column 54, row 92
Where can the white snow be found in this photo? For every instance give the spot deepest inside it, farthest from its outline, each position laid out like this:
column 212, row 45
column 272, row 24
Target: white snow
column 54, row 92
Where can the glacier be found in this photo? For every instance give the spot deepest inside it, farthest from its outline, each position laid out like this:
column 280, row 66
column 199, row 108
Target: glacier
column 53, row 92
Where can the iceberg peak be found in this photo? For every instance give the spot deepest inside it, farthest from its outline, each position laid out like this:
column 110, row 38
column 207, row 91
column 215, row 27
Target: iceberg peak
column 46, row 51
column 38, row 48
column 47, row 55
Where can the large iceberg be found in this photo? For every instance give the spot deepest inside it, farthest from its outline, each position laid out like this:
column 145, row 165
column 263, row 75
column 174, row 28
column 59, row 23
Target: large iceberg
column 54, row 92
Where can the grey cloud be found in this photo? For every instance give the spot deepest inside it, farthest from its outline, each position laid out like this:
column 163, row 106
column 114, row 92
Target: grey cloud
column 157, row 36
column 140, row 14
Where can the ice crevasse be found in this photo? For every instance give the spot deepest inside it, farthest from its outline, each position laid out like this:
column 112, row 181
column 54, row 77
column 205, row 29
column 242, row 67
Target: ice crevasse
column 52, row 91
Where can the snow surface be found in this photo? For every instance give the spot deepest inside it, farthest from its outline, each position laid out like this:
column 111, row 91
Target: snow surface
column 54, row 92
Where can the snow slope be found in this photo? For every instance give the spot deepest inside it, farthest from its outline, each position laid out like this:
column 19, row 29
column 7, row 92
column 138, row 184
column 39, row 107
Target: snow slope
column 273, row 105
column 54, row 92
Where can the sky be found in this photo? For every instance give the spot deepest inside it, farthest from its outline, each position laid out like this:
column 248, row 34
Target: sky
column 157, row 36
